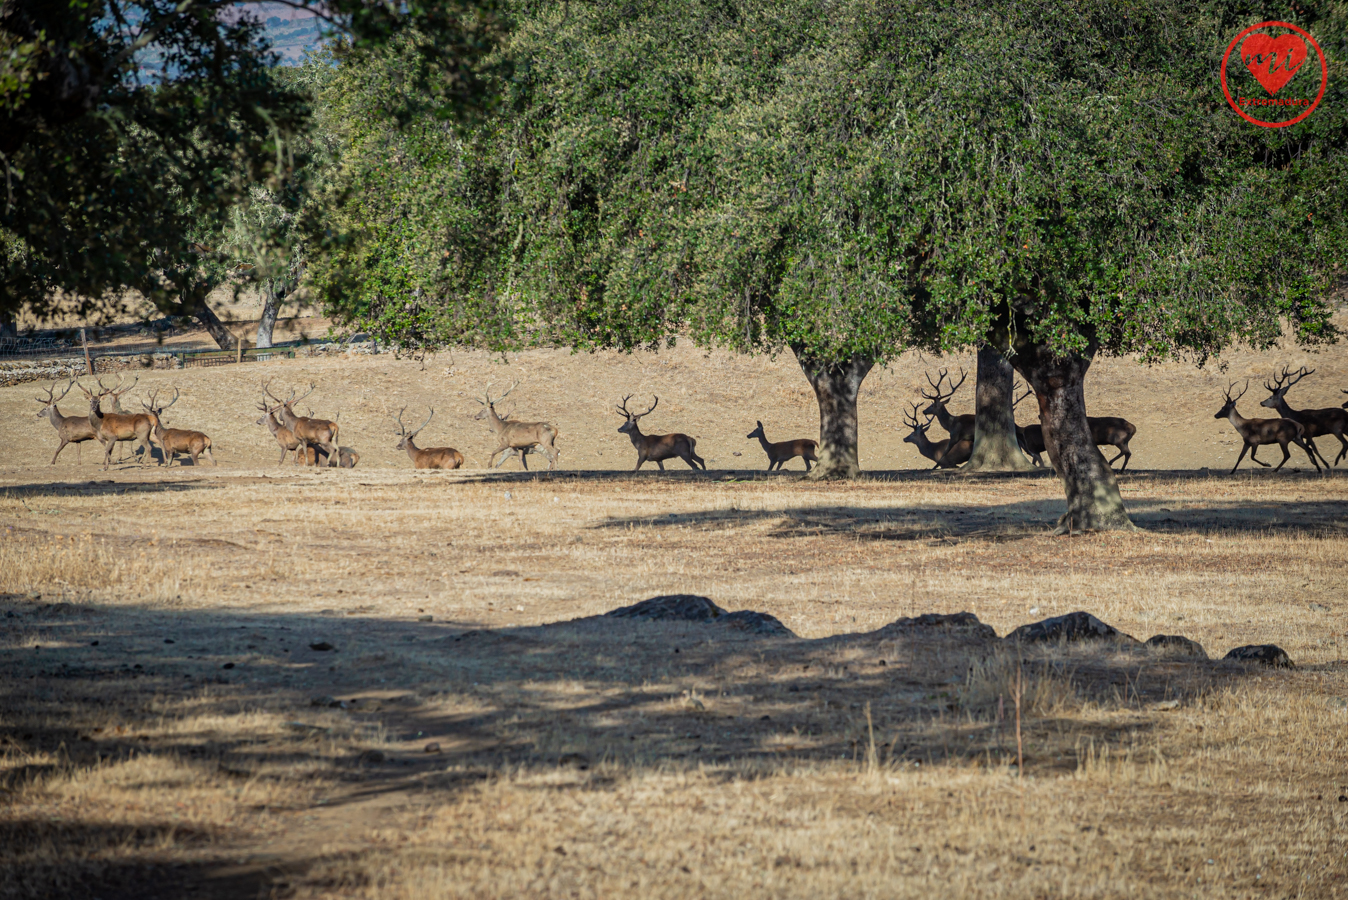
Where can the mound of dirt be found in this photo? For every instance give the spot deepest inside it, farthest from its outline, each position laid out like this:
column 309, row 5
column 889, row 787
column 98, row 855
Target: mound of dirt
column 1176, row 645
column 1263, row 654
column 1076, row 626
column 964, row 622
column 670, row 607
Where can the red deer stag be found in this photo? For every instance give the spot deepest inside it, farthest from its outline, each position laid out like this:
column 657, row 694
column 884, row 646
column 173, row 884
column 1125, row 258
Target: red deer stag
column 429, row 457
column 961, row 427
column 110, row 428
column 173, row 441
column 319, row 432
column 284, row 436
column 521, row 437
column 1107, row 431
column 70, row 429
column 943, row 453
column 658, row 447
column 1257, row 432
column 782, row 452
column 1314, row 422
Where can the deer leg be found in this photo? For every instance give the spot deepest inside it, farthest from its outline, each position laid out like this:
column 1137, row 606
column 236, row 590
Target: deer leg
column 1308, row 445
column 1254, row 449
column 699, row 461
column 1286, row 455
column 1239, row 458
column 807, row 464
column 640, row 461
column 661, row 464
column 59, row 449
column 1311, row 442
column 1343, row 451
column 524, row 458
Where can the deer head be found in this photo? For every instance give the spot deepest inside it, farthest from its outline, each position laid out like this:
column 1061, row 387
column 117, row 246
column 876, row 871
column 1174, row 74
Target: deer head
column 404, row 436
column 49, row 402
column 756, row 433
column 1282, row 384
column 1230, row 405
column 632, row 418
column 938, row 396
column 489, row 405
column 155, row 409
column 918, row 430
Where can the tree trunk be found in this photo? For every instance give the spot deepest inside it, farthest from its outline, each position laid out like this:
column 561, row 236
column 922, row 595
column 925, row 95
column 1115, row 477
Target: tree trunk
column 9, row 327
column 273, row 292
column 836, row 385
column 995, row 446
column 1093, row 499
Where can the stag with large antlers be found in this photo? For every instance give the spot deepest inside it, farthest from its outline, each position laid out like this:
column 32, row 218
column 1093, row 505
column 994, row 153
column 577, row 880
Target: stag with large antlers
column 110, row 428
column 318, row 432
column 961, row 427
column 173, row 441
column 1258, row 432
column 283, row 435
column 520, row 437
column 1314, row 422
column 70, row 429
column 657, row 447
column 945, row 454
column 430, row 457
column 782, row 452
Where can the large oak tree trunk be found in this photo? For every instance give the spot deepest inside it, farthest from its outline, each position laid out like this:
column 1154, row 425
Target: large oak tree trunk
column 995, row 446
column 836, row 385
column 273, row 292
column 1093, row 499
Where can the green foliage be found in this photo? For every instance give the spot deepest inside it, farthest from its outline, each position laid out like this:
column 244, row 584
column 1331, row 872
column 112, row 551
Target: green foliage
column 846, row 178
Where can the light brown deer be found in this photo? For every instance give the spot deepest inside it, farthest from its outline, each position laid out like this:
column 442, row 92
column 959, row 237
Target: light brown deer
column 429, row 457
column 783, row 452
column 521, row 437
column 945, row 454
column 1257, row 432
column 319, row 432
column 70, row 429
column 173, row 441
column 1314, row 422
column 110, row 428
column 283, row 435
column 658, row 447
column 961, row 427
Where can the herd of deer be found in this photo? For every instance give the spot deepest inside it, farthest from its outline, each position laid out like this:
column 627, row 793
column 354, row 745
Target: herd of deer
column 315, row 441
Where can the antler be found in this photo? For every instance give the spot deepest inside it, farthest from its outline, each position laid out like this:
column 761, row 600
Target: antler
column 295, row 399
column 1231, row 399
column 622, row 407
column 488, row 401
column 649, row 411
column 51, row 394
column 118, row 391
column 171, row 402
column 910, row 418
column 936, row 385
column 266, row 390
column 1015, row 401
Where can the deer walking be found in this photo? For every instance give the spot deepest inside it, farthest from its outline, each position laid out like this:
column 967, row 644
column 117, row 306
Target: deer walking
column 961, row 427
column 70, row 429
column 429, row 457
column 782, row 452
column 1106, row 431
column 517, row 436
column 945, row 454
column 319, row 432
column 1314, row 422
column 1257, row 432
column 110, row 428
column 658, row 447
column 173, row 441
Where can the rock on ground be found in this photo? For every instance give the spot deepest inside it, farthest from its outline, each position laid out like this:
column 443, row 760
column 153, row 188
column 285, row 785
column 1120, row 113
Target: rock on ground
column 1076, row 626
column 1263, row 654
column 1176, row 645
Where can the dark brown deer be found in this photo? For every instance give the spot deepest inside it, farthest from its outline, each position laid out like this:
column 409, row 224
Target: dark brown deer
column 521, row 437
column 961, row 427
column 1314, row 422
column 782, row 452
column 1108, row 431
column 1258, row 432
column 173, row 441
column 110, row 428
column 942, row 453
column 319, row 432
column 430, row 457
column 658, row 447
column 70, row 429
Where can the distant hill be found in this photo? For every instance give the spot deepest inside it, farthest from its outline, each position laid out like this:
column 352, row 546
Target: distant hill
column 292, row 32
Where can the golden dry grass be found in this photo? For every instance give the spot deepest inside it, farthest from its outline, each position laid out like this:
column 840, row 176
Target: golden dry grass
column 591, row 759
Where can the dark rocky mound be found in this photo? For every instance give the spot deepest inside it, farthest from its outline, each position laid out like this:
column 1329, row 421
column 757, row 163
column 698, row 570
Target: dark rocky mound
column 751, row 622
column 966, row 623
column 1263, row 654
column 1077, row 626
column 671, row 607
column 1176, row 645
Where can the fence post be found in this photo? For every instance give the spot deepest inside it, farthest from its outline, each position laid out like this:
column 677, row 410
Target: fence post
column 88, row 363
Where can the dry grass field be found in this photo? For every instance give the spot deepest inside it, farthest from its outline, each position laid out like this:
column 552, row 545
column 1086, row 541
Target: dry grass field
column 266, row 681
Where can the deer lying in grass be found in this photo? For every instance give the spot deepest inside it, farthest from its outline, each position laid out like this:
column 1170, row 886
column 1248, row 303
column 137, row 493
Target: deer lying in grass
column 70, row 429
column 430, row 457
column 782, row 452
column 945, row 454
column 173, row 441
column 110, row 428
column 658, row 447
column 319, row 432
column 1257, row 432
column 518, row 436
column 1314, row 422
column 317, row 457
